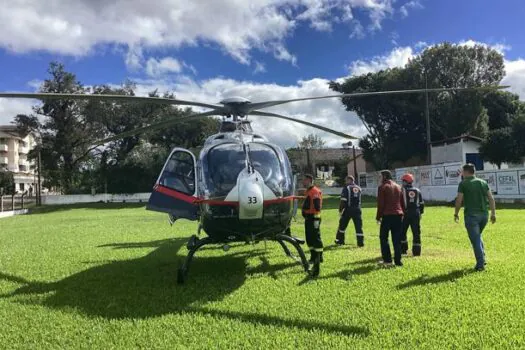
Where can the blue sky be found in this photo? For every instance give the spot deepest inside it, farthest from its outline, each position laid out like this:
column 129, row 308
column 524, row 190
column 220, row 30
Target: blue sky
column 269, row 49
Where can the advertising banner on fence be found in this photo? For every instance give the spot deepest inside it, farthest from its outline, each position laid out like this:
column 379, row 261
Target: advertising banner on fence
column 508, row 182
column 438, row 176
column 362, row 180
column 490, row 177
column 425, row 177
column 453, row 174
column 521, row 176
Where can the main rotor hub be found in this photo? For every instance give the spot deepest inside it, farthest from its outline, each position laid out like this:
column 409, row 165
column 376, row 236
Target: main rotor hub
column 235, row 100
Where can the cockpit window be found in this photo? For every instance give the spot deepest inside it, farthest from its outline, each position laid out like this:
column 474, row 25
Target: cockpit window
column 224, row 163
column 178, row 173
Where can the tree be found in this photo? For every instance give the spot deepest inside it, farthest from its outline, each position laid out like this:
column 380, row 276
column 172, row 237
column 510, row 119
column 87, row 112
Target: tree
column 502, row 107
column 7, row 182
column 64, row 133
column 113, row 117
column 500, row 147
column 311, row 141
column 518, row 134
column 396, row 123
column 188, row 134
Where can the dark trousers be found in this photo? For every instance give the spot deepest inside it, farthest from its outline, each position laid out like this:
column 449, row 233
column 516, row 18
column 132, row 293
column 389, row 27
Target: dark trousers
column 393, row 224
column 313, row 235
column 414, row 222
column 356, row 216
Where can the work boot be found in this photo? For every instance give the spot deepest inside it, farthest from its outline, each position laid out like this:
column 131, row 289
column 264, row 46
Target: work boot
column 404, row 247
column 416, row 250
column 360, row 240
column 317, row 266
column 313, row 254
column 321, row 257
column 338, row 242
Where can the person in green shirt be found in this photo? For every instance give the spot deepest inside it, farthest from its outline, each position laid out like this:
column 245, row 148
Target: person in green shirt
column 477, row 198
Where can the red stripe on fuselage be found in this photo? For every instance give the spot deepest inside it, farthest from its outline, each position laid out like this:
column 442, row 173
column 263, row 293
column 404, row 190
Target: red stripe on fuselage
column 194, row 200
column 172, row 193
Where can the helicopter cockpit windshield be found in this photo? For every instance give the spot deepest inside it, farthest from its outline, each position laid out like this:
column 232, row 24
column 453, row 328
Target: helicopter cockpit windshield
column 224, row 162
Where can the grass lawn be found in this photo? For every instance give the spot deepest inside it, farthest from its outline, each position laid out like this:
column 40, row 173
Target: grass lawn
column 104, row 276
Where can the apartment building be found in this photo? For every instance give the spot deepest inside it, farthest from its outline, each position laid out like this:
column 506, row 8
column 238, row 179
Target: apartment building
column 14, row 149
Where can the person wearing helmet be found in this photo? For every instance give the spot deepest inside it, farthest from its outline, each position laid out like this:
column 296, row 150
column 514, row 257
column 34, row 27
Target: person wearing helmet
column 414, row 208
column 350, row 209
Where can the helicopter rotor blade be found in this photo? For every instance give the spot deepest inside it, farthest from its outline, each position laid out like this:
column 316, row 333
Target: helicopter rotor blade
column 102, row 97
column 274, row 115
column 155, row 126
column 259, row 105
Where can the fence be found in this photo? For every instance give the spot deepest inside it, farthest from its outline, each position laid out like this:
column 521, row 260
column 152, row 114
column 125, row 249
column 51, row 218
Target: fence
column 16, row 202
column 440, row 182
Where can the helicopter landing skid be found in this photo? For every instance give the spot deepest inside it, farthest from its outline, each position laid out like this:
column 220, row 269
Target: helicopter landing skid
column 195, row 244
column 296, row 243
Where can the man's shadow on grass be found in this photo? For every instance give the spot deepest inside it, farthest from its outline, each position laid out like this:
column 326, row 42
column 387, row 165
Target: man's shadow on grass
column 444, row 278
column 146, row 287
column 363, row 267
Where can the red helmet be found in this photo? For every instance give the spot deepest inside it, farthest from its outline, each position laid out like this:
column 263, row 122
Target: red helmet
column 408, row 178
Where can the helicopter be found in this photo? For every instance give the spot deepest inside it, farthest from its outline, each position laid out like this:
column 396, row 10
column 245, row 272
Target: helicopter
column 241, row 187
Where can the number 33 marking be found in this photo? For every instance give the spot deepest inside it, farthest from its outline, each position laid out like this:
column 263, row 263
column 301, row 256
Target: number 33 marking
column 252, row 200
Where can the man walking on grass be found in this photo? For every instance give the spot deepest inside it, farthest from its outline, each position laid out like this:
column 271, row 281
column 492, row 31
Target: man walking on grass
column 390, row 209
column 476, row 195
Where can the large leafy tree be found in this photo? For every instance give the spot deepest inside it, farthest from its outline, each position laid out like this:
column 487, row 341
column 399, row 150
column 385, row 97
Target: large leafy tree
column 500, row 147
column 502, row 107
column 112, row 117
column 7, row 182
column 63, row 131
column 396, row 123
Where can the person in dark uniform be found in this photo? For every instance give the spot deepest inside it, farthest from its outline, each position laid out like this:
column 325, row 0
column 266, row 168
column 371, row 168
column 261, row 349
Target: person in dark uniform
column 414, row 208
column 350, row 209
column 311, row 212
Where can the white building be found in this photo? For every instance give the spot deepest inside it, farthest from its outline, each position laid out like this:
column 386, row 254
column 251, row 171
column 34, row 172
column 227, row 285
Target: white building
column 14, row 148
column 463, row 149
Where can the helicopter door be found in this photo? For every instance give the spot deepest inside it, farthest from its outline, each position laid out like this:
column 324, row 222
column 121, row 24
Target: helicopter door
column 176, row 188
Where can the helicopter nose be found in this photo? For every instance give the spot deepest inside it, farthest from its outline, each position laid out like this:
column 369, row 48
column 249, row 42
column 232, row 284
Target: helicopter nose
column 251, row 198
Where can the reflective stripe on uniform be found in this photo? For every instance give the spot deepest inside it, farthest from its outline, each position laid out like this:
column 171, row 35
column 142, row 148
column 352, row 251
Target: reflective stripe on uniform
column 319, row 250
column 417, row 244
column 359, row 234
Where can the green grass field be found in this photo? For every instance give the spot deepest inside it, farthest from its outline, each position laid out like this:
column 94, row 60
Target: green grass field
column 104, row 276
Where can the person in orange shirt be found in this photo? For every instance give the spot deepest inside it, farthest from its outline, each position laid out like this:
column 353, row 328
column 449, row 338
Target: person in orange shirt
column 390, row 210
column 311, row 212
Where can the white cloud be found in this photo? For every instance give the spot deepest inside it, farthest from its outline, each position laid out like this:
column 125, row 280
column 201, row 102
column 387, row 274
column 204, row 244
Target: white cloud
column 9, row 108
column 413, row 4
column 501, row 48
column 166, row 65
column 259, row 67
column 237, row 27
column 398, row 57
column 515, row 77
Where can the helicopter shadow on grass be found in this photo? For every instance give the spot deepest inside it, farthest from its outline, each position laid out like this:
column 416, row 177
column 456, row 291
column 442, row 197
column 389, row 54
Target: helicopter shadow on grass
column 146, row 287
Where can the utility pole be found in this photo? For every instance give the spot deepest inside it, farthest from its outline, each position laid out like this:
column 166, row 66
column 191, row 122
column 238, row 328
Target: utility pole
column 427, row 115
column 39, row 197
column 355, row 166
